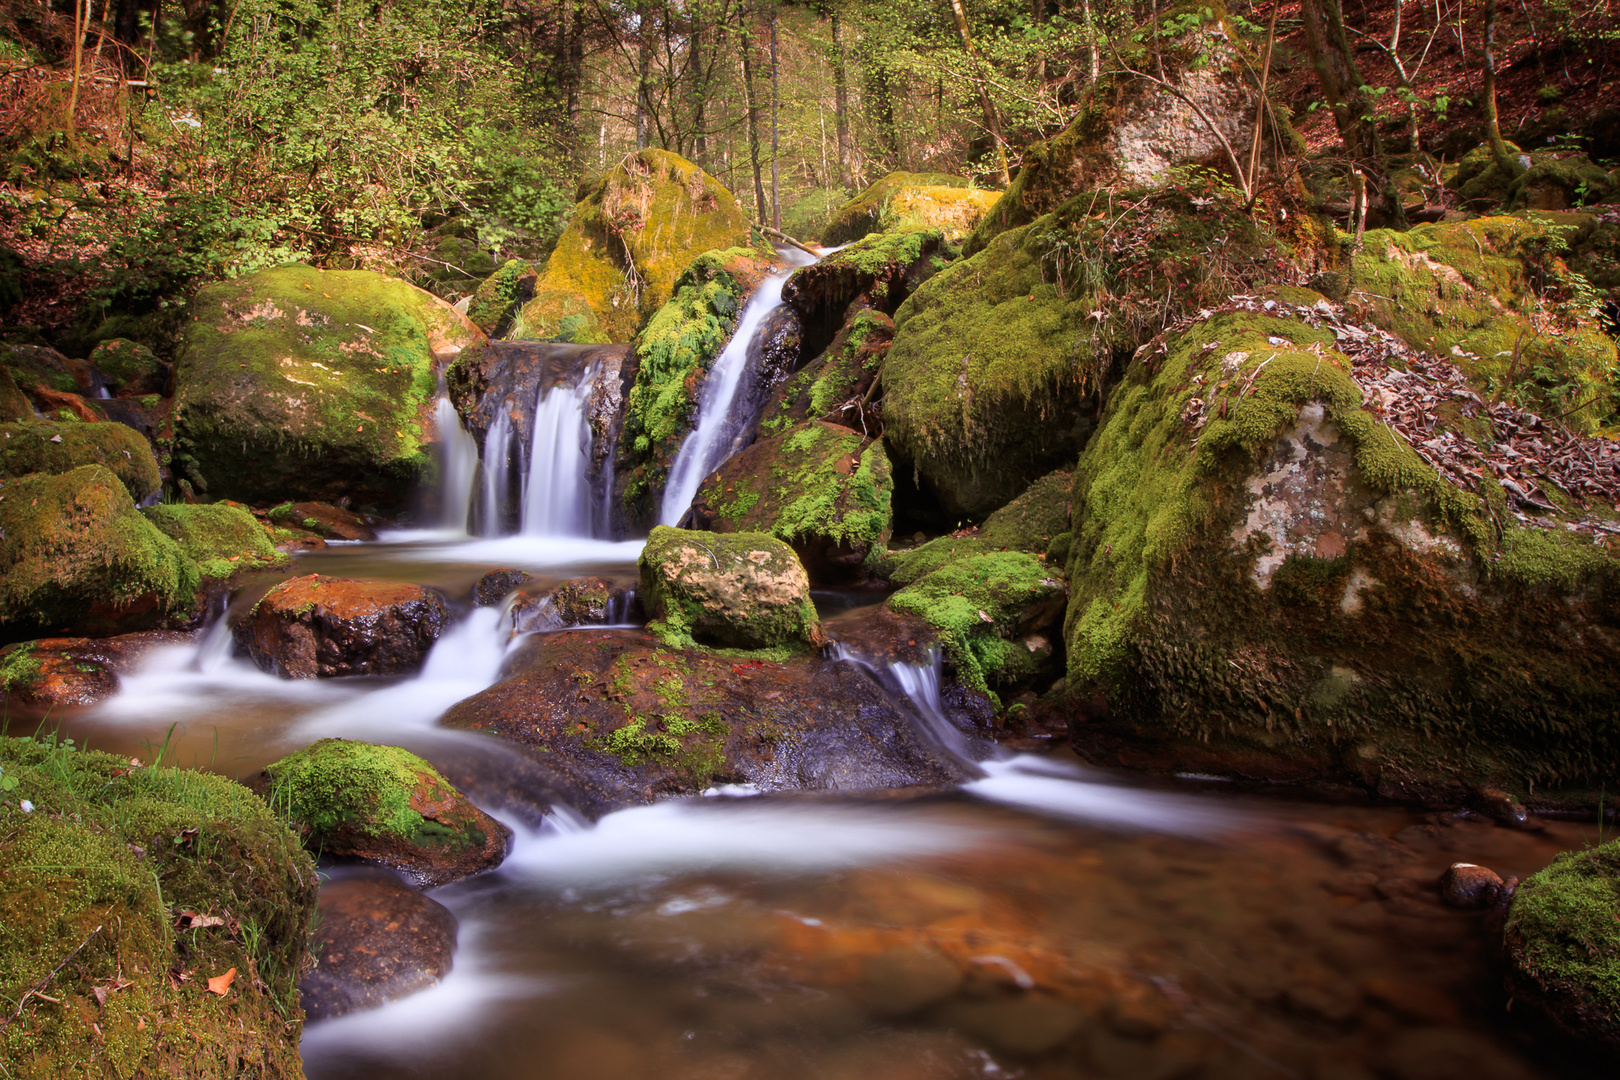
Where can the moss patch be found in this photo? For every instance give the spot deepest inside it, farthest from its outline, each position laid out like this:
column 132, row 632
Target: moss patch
column 746, row 590
column 1563, row 931
column 125, row 362
column 128, row 849
column 43, row 447
column 1031, row 521
column 910, row 202
column 338, row 783
column 221, row 539
column 501, row 295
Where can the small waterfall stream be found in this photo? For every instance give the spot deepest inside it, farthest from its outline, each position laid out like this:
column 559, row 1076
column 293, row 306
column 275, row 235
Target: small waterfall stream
column 556, row 496
column 458, row 467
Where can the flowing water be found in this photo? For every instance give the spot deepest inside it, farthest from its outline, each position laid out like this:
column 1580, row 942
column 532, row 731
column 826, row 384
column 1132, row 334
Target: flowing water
column 1042, row 919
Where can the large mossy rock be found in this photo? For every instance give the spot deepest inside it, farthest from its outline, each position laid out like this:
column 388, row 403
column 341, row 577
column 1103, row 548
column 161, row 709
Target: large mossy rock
column 130, row 367
column 672, row 358
column 1480, row 293
column 1562, row 939
column 625, row 718
column 324, row 627
column 911, row 202
column 742, row 590
column 631, row 235
column 501, row 296
column 123, row 876
column 825, row 489
column 76, row 554
column 41, row 447
column 385, row 805
column 1260, row 564
column 298, row 383
column 1130, row 130
column 221, row 539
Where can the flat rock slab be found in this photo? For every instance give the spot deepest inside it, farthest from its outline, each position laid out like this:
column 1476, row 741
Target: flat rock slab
column 321, row 627
column 377, row 940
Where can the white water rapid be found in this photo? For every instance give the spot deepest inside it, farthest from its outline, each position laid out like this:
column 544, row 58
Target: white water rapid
column 556, row 491
column 714, row 438
column 458, row 468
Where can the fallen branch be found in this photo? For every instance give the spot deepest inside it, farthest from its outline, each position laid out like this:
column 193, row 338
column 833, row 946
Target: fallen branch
column 34, row 991
column 778, row 234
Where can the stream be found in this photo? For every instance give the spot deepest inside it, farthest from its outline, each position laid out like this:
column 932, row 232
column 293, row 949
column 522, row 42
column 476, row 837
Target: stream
column 1044, row 918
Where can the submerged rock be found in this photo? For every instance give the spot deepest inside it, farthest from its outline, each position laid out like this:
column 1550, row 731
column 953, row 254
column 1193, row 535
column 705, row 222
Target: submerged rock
column 37, row 677
column 822, row 488
column 322, row 627
column 908, row 202
column 76, row 554
column 309, row 384
column 632, row 233
column 173, row 866
column 1563, row 944
column 355, row 800
column 746, row 590
column 627, row 719
column 376, row 940
column 41, row 447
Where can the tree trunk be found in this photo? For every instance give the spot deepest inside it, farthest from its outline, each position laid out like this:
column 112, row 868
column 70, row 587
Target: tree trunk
column 992, row 118
column 753, row 122
column 776, row 135
column 699, row 91
column 881, row 98
column 644, row 45
column 1093, row 54
column 576, row 62
column 1505, row 160
column 841, row 103
column 1335, row 66
column 129, row 21
column 79, row 19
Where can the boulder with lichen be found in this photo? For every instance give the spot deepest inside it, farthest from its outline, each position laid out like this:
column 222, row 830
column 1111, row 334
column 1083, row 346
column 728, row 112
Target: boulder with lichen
column 904, row 202
column 744, row 590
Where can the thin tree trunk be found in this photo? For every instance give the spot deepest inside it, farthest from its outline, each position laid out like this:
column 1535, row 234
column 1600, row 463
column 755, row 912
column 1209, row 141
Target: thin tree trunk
column 78, row 63
column 753, row 122
column 576, row 61
column 1335, row 65
column 643, row 63
column 992, row 118
column 841, row 102
column 699, row 85
column 1505, row 161
column 776, row 135
column 1093, row 53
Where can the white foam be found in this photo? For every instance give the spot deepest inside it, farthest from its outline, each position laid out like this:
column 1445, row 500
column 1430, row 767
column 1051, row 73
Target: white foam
column 1062, row 790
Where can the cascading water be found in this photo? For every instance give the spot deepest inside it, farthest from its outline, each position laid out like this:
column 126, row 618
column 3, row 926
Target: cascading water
column 458, row 467
column 496, row 462
column 556, row 492
column 718, row 429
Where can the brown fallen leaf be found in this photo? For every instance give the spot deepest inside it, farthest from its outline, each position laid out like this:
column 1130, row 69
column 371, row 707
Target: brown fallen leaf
column 219, row 984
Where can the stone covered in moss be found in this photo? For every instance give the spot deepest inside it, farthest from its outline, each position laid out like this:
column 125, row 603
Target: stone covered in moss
column 39, row 677
column 911, row 202
column 308, row 384
column 1484, row 294
column 1546, row 180
column 1563, row 944
column 501, row 295
column 877, row 271
column 673, row 355
column 38, row 366
column 324, row 627
column 839, row 385
column 824, row 489
column 388, row 806
column 181, row 871
column 14, row 404
column 42, row 447
column 745, row 590
column 327, row 522
column 1259, row 563
column 74, row 552
column 632, row 234
column 220, row 539
column 129, row 366
column 1033, row 520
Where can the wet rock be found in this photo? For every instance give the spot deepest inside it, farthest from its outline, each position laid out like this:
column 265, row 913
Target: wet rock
column 376, row 940
column 304, row 384
column 875, row 272
column 824, row 489
column 40, row 447
column 1465, row 885
column 327, row 522
column 52, row 673
column 130, row 367
column 382, row 804
column 321, row 627
column 745, row 590
column 1500, row 807
column 627, row 719
column 1027, row 1026
column 590, row 601
column 495, row 586
column 1448, row 1053
column 836, row 386
column 905, row 980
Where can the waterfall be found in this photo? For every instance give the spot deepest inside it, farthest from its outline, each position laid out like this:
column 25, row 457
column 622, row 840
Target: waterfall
column 458, row 467
column 557, row 492
column 919, row 686
column 711, row 442
column 497, row 462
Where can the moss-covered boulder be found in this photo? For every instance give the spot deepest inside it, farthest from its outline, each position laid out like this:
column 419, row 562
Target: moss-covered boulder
column 14, row 404
column 221, row 539
column 672, row 357
column 39, row 677
column 324, row 627
column 1494, row 295
column 39, row 367
column 1037, row 521
column 632, row 233
column 76, row 554
column 327, row 522
column 308, row 384
column 388, row 806
column 130, row 367
column 43, row 447
column 911, row 202
column 1540, row 180
column 501, row 295
column 1262, row 568
column 744, row 590
column 838, row 386
column 1563, row 945
column 877, row 271
column 124, row 895
column 824, row 489
column 623, row 718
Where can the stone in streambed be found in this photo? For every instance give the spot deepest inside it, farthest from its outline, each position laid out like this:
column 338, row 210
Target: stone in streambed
column 744, row 590
column 322, row 627
column 494, row 587
column 327, row 522
column 583, row 601
column 39, row 676
column 377, row 940
column 382, row 804
column 1465, row 885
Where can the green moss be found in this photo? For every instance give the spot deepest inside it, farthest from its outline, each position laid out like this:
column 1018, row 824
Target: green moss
column 1031, row 521
column 43, row 447
column 124, row 361
column 500, row 296
column 1568, row 936
column 222, row 539
column 844, row 371
column 909, row 202
column 14, row 404
column 18, row 667
column 73, row 543
column 126, row 849
column 338, row 783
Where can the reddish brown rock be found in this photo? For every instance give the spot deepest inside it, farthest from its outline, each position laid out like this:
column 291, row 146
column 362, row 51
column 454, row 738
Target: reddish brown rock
column 377, row 940
column 55, row 673
column 588, row 601
column 321, row 627
column 1465, row 885
column 327, row 522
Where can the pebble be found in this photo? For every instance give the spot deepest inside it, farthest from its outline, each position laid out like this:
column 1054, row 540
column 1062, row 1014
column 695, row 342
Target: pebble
column 1465, row 885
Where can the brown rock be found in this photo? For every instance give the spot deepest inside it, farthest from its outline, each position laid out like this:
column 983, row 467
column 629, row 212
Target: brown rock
column 55, row 673
column 590, row 601
column 316, row 626
column 327, row 522
column 1465, row 885
column 377, row 940
column 497, row 585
